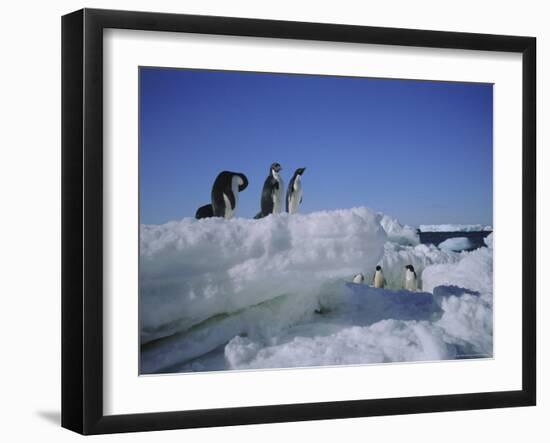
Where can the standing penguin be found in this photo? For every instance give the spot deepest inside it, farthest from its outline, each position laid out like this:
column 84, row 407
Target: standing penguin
column 379, row 281
column 411, row 282
column 294, row 192
column 272, row 193
column 225, row 195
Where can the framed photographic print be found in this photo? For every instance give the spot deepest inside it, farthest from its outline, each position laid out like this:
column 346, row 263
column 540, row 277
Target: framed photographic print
column 269, row 221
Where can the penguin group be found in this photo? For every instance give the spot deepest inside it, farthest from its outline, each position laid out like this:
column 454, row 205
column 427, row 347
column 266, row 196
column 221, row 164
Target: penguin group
column 225, row 197
column 410, row 282
column 378, row 280
column 227, row 185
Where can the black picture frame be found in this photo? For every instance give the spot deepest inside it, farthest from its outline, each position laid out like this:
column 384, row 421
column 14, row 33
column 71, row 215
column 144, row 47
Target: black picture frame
column 82, row 218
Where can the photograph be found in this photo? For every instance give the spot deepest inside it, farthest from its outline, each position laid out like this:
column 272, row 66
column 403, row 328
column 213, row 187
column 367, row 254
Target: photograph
column 292, row 220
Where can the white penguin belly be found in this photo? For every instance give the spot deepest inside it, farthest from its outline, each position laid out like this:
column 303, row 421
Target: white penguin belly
column 410, row 282
column 379, row 280
column 295, row 197
column 229, row 211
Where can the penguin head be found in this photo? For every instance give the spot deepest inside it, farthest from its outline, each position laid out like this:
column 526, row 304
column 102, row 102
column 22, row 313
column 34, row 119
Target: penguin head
column 410, row 268
column 379, row 268
column 276, row 167
column 299, row 171
column 243, row 182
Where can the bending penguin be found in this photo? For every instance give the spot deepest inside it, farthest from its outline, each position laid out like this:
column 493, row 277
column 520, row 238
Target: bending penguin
column 294, row 192
column 358, row 278
column 272, row 193
column 411, row 282
column 225, row 195
column 379, row 281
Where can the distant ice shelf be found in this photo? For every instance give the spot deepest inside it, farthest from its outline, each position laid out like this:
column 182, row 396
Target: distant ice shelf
column 454, row 228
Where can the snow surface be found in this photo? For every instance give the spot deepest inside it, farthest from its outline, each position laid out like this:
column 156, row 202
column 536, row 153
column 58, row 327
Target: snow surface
column 474, row 272
column 454, row 228
column 272, row 293
column 192, row 270
column 379, row 325
column 456, row 244
column 396, row 257
column 465, row 291
column 398, row 233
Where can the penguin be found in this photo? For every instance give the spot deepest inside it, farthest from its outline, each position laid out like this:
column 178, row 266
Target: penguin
column 379, row 281
column 272, row 193
column 294, row 192
column 225, row 195
column 411, row 282
column 358, row 278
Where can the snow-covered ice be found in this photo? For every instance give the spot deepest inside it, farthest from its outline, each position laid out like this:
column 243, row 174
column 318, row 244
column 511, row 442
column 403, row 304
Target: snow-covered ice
column 192, row 270
column 474, row 272
column 456, row 244
column 396, row 257
column 398, row 233
column 454, row 320
column 465, row 291
column 272, row 293
column 385, row 341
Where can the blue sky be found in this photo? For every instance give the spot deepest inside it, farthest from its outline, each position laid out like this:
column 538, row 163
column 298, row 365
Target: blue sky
column 417, row 150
